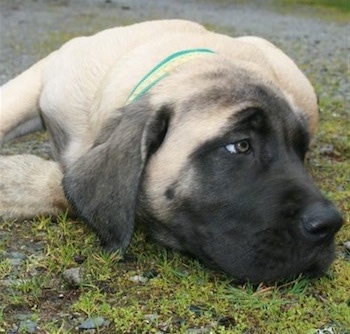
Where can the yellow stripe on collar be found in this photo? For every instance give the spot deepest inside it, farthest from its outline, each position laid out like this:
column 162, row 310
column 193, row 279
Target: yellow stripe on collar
column 162, row 70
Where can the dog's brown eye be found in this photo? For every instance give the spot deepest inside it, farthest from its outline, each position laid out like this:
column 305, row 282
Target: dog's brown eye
column 242, row 146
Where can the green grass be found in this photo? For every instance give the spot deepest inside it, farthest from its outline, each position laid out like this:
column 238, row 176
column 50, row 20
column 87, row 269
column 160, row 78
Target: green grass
column 327, row 10
column 179, row 294
column 342, row 5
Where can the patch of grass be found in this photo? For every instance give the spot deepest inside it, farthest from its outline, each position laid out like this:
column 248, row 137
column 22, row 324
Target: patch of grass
column 328, row 10
column 324, row 9
column 342, row 5
column 178, row 294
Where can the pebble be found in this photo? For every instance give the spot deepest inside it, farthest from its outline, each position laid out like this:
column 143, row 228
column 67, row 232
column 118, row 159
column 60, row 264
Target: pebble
column 139, row 279
column 13, row 282
column 15, row 258
column 151, row 317
column 27, row 326
column 347, row 245
column 327, row 330
column 92, row 323
column 73, row 276
column 202, row 330
column 327, row 149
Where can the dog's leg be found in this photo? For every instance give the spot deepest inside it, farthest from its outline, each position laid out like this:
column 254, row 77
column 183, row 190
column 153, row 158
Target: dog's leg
column 30, row 186
column 19, row 103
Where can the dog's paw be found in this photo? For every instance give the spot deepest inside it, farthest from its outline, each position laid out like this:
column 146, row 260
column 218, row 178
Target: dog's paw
column 30, row 186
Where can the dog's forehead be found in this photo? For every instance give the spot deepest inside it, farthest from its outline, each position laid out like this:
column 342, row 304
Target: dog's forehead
column 205, row 103
column 214, row 73
column 206, row 98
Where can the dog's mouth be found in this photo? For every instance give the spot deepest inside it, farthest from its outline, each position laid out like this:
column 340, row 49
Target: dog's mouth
column 266, row 275
column 268, row 255
column 314, row 271
column 266, row 262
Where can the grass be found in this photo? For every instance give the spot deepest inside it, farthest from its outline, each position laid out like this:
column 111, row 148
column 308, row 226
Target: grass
column 328, row 10
column 178, row 294
column 342, row 5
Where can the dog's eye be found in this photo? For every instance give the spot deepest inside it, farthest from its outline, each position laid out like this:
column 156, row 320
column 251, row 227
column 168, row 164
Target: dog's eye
column 242, row 146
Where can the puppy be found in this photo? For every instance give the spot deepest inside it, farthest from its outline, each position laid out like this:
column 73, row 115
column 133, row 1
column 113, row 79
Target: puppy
column 200, row 137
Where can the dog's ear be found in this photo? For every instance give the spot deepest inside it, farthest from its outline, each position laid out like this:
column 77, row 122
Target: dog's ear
column 102, row 186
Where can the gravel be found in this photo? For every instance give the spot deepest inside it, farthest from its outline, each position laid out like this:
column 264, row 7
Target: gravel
column 28, row 25
column 30, row 29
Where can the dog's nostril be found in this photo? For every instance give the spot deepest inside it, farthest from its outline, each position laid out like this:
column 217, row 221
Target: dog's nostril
column 321, row 220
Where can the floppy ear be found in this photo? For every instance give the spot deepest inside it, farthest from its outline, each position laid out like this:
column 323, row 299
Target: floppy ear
column 102, row 186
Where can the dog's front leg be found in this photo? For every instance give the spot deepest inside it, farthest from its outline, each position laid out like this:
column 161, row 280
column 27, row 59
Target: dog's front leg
column 30, row 186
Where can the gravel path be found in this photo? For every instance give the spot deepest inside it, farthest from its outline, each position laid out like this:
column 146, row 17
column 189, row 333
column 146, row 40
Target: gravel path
column 29, row 29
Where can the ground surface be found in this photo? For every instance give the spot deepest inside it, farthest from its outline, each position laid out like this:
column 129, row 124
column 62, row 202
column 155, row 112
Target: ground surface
column 155, row 291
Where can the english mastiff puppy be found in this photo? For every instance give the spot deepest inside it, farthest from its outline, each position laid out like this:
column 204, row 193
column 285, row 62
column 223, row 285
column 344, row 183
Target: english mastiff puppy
column 200, row 137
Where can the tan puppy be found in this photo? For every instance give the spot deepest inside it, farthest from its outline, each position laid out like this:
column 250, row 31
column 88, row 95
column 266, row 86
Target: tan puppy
column 198, row 135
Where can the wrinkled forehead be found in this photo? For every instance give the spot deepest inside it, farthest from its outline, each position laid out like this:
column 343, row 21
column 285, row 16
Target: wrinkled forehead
column 214, row 75
column 205, row 103
column 216, row 85
column 207, row 98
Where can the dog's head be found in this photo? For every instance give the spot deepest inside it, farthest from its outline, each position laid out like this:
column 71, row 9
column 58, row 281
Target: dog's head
column 211, row 161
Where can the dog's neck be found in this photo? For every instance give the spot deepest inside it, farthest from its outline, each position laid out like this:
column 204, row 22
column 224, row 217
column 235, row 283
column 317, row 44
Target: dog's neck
column 162, row 69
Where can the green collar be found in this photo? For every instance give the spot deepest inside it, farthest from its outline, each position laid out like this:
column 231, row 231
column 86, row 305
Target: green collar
column 162, row 70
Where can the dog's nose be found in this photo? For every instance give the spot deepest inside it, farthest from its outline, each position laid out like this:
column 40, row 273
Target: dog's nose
column 321, row 221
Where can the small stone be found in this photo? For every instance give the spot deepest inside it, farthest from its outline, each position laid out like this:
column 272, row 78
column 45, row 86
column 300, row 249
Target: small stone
column 151, row 317
column 24, row 316
column 327, row 330
column 27, row 326
column 201, row 330
column 13, row 282
column 139, row 279
column 327, row 148
column 347, row 245
column 73, row 276
column 13, row 330
column 92, row 323
column 16, row 258
column 16, row 255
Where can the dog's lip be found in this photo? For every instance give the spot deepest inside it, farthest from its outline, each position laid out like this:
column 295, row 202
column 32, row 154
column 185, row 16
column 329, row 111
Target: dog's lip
column 314, row 270
column 309, row 266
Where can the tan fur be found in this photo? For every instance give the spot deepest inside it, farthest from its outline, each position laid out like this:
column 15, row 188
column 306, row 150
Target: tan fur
column 83, row 83
column 34, row 179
